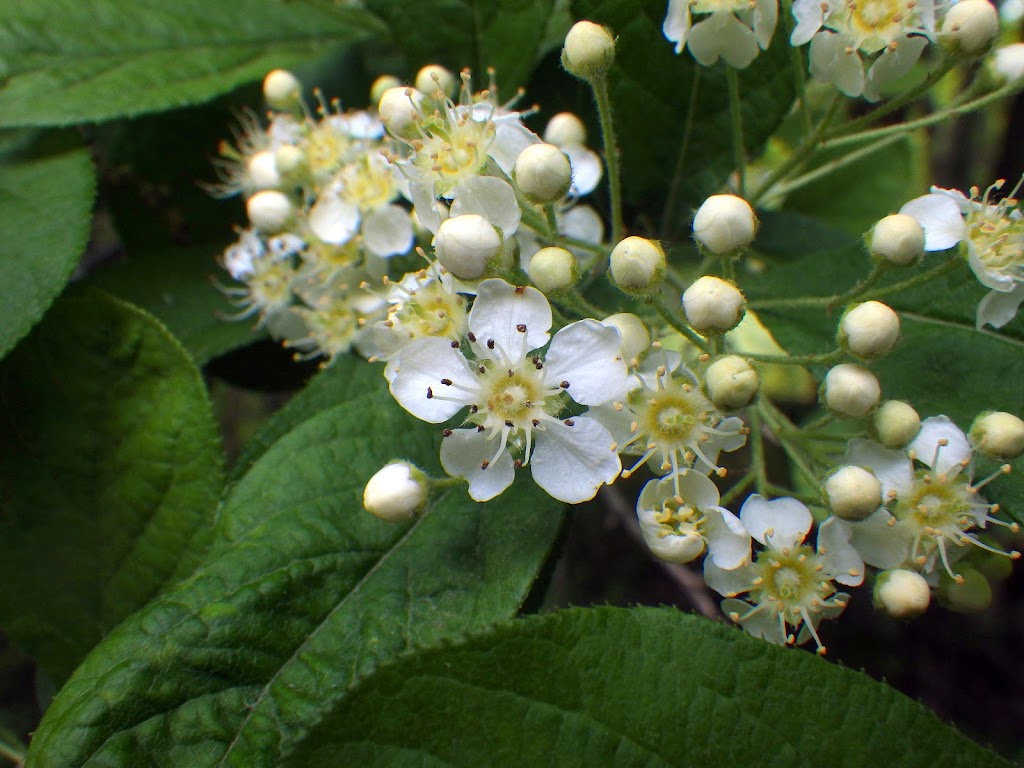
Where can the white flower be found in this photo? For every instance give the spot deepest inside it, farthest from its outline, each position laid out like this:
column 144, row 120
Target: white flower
column 930, row 511
column 515, row 397
column 994, row 236
column 677, row 525
column 789, row 583
column 842, row 31
column 734, row 30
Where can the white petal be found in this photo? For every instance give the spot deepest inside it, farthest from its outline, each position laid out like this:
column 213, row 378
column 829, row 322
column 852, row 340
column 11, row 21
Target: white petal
column 779, row 524
column 462, row 454
column 997, row 281
column 333, row 220
column 764, row 624
column 728, row 539
column 500, row 309
column 766, row 15
column 809, row 15
column 941, row 218
column 830, row 62
column 363, row 125
column 490, row 197
column 587, row 355
column 586, row 169
column 880, row 544
column 388, row 231
column 510, row 139
column 571, row 463
column 998, row 308
column 950, row 456
column 733, row 581
column 697, row 490
column 844, row 564
column 616, row 422
column 672, row 548
column 893, row 64
column 420, row 367
column 425, row 203
column 583, row 223
column 722, row 34
column 892, row 468
column 677, row 23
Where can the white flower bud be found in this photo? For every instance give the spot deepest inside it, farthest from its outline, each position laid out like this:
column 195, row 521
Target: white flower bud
column 712, row 304
column 898, row 239
column 288, row 159
column 634, row 334
column 282, row 90
column 731, row 382
column 853, row 493
column 896, row 423
column 263, row 172
column 269, row 211
column 565, row 128
column 553, row 269
column 543, row 173
column 869, row 330
column 1008, row 63
column 396, row 493
column 382, row 84
column 399, row 109
column 970, row 27
column 464, row 245
column 850, row 390
column 434, row 76
column 902, row 594
column 589, row 50
column 724, row 223
column 970, row 593
column 637, row 265
column 998, row 434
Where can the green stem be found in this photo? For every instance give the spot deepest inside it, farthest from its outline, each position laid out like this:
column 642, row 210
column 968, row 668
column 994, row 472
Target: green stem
column 611, row 153
column 799, row 70
column 780, row 424
column 549, row 214
column 669, row 317
column 738, row 488
column 684, row 147
column 757, row 451
column 834, row 165
column 822, row 359
column 729, row 267
column 778, row 490
column 735, row 113
column 862, row 286
column 922, row 277
column 573, row 299
column 818, row 423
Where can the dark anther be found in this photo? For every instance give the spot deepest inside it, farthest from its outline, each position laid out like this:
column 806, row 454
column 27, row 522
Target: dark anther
column 471, row 336
column 568, row 422
column 430, row 393
column 485, row 464
column 564, row 385
column 536, row 422
column 479, row 427
column 511, row 373
column 520, row 290
column 521, row 327
column 446, row 382
column 517, row 463
column 455, row 345
column 446, row 433
column 482, row 369
column 474, row 408
column 509, row 423
column 490, row 343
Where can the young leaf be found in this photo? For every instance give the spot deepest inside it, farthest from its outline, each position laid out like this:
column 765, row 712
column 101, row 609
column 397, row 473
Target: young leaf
column 640, row 687
column 301, row 595
column 109, row 464
column 65, row 61
column 46, row 191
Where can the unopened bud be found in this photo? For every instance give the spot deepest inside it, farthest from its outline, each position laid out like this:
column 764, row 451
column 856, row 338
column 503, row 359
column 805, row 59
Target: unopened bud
column 902, row 594
column 896, row 423
column 396, row 493
column 382, row 84
column 282, row 90
column 553, row 269
column 850, row 390
column 589, row 50
column 853, row 493
column 464, row 244
column 713, row 304
column 637, row 265
column 434, row 76
column 869, row 330
column 724, row 223
column 634, row 334
column 565, row 128
column 998, row 434
column 543, row 173
column 269, row 211
column 898, row 239
column 289, row 159
column 731, row 382
column 970, row 27
column 399, row 110
column 263, row 172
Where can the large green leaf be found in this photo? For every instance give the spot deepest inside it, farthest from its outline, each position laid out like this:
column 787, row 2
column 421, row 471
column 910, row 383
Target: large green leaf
column 651, row 92
column 46, row 191
column 640, row 687
column 509, row 35
column 302, row 594
column 68, row 61
column 109, row 465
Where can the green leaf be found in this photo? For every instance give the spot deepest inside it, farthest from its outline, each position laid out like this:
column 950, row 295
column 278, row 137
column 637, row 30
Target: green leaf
column 302, row 594
column 67, row 61
column 110, row 463
column 46, row 191
column 509, row 35
column 640, row 687
column 651, row 90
